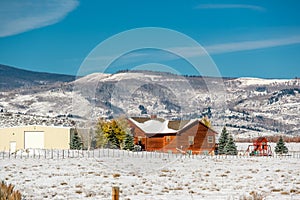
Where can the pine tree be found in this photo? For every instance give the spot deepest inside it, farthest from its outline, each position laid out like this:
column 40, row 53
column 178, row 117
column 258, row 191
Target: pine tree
column 230, row 147
column 76, row 142
column 223, row 141
column 129, row 145
column 280, row 147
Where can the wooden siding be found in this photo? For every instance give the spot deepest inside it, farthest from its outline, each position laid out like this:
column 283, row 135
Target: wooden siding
column 155, row 143
column 171, row 142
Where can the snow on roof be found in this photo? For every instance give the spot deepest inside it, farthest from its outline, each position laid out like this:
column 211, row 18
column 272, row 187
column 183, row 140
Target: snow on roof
column 154, row 126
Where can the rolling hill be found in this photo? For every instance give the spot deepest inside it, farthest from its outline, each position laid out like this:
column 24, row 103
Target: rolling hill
column 13, row 78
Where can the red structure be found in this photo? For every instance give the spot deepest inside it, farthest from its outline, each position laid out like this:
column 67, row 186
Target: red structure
column 260, row 147
column 187, row 136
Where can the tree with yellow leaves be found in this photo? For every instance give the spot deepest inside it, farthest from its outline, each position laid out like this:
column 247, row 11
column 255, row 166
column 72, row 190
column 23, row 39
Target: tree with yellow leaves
column 205, row 120
column 111, row 133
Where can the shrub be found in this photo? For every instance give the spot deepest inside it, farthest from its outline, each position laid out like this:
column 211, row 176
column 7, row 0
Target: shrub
column 7, row 192
column 253, row 196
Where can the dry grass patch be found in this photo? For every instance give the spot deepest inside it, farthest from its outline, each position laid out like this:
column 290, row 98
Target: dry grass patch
column 276, row 190
column 7, row 192
column 284, row 193
column 177, row 188
column 63, row 183
column 116, row 175
column 293, row 191
column 253, row 196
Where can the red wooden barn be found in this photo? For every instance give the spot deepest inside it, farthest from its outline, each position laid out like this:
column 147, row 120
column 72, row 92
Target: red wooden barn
column 180, row 136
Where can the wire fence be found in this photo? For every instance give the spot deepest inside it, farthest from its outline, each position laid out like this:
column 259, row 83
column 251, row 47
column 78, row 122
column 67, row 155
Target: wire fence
column 115, row 153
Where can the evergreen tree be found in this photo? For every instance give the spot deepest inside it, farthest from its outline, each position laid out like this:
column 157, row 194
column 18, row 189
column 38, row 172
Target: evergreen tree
column 280, row 147
column 129, row 145
column 76, row 142
column 223, row 141
column 230, row 147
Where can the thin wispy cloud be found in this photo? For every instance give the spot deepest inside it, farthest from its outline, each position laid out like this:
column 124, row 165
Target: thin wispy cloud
column 230, row 6
column 189, row 52
column 252, row 45
column 21, row 16
column 238, row 46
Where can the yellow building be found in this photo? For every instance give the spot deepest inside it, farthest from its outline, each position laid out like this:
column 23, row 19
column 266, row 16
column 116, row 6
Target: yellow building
column 34, row 136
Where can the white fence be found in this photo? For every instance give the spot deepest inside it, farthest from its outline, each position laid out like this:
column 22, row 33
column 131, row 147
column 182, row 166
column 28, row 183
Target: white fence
column 115, row 153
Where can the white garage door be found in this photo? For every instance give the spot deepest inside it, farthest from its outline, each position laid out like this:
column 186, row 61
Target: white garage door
column 34, row 139
column 12, row 146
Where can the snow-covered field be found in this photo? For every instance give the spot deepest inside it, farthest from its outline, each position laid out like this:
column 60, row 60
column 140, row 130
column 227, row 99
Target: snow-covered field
column 152, row 176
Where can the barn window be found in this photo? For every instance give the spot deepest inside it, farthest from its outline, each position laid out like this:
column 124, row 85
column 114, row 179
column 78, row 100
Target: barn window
column 191, row 140
column 210, row 139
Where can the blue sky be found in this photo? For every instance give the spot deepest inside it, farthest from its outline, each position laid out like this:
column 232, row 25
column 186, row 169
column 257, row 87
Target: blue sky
column 244, row 38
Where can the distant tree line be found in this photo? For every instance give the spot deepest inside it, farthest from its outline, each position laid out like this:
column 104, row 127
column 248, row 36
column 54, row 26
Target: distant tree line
column 273, row 139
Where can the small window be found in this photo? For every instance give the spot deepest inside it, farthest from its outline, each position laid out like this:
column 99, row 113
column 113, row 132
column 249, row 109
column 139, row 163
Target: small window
column 168, row 138
column 191, row 140
column 210, row 139
column 140, row 138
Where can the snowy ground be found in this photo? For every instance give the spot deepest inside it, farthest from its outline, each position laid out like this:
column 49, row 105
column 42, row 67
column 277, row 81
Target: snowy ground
column 151, row 176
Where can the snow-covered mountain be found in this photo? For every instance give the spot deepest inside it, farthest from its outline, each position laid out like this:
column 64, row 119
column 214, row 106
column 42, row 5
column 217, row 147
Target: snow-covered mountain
column 246, row 105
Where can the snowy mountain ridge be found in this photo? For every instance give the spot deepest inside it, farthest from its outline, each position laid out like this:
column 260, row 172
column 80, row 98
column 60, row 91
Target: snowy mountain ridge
column 245, row 105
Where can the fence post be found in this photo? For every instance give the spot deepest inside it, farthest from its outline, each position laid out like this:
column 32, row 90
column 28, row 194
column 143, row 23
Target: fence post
column 115, row 193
